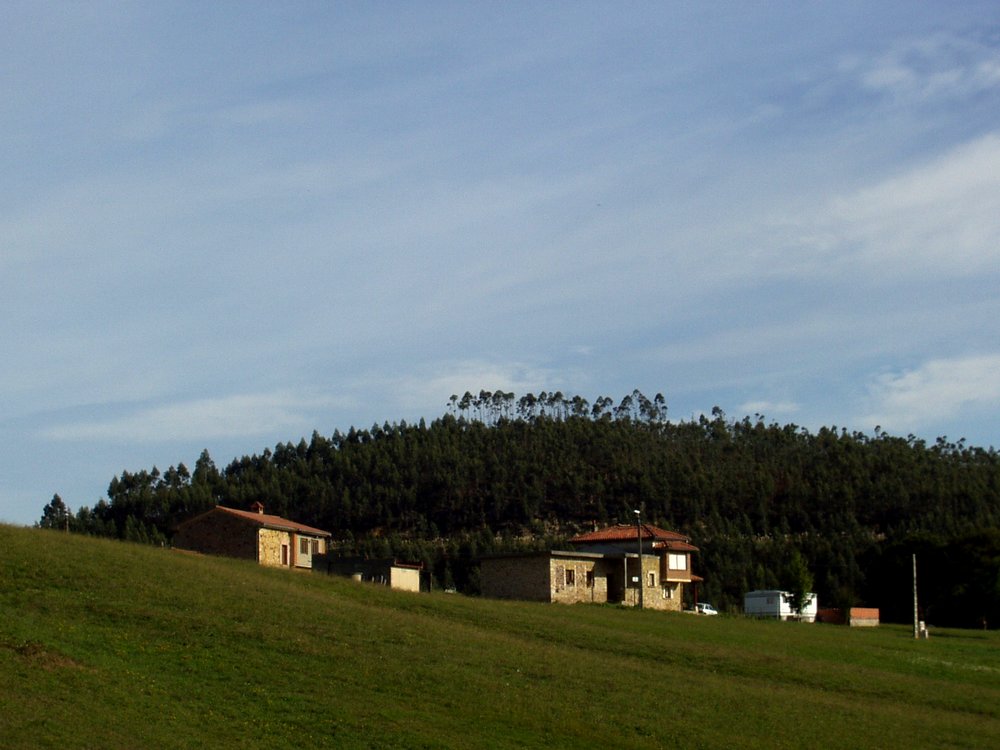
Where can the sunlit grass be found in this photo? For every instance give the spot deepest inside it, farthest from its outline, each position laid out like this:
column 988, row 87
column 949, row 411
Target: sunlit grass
column 105, row 644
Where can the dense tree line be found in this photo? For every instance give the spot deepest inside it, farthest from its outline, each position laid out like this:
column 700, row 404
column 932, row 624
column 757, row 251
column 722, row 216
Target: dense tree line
column 498, row 473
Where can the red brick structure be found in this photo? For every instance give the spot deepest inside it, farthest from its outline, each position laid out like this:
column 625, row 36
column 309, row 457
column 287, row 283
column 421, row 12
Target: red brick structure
column 860, row 617
column 252, row 535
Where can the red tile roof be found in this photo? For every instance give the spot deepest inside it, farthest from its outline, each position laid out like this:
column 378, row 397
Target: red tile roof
column 675, row 546
column 624, row 532
column 272, row 522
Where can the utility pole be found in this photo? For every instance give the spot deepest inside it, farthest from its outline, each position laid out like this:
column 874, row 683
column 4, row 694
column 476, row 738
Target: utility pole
column 642, row 574
column 916, row 610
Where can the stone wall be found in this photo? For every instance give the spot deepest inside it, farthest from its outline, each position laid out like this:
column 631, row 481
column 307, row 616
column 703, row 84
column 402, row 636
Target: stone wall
column 573, row 581
column 522, row 577
column 218, row 533
column 270, row 542
column 657, row 593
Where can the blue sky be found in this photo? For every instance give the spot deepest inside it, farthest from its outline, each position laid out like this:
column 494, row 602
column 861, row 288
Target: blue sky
column 226, row 225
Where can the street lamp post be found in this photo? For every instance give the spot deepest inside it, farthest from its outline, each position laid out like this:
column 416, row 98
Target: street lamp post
column 638, row 536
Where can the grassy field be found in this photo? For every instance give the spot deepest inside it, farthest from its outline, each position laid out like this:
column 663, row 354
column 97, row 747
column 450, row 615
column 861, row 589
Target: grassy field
column 112, row 645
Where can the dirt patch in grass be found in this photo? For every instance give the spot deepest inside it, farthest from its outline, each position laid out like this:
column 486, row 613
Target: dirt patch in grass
column 40, row 656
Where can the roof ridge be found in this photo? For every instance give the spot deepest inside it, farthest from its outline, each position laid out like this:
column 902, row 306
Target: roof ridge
column 624, row 531
column 269, row 519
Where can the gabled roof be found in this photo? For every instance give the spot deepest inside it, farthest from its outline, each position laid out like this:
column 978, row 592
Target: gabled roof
column 264, row 520
column 624, row 532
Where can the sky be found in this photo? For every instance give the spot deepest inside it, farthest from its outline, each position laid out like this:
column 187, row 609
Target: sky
column 226, row 225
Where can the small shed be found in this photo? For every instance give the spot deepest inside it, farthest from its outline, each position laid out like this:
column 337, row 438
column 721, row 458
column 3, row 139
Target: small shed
column 395, row 574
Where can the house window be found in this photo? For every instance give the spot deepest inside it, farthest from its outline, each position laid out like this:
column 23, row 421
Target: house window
column 590, row 579
column 570, row 577
column 678, row 562
column 315, row 546
column 304, row 546
column 668, row 592
column 652, row 579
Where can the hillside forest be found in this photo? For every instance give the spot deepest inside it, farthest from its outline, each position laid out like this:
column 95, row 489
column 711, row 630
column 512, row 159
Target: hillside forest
column 497, row 473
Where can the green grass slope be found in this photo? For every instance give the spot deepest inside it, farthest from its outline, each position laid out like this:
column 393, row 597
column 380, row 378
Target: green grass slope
column 112, row 645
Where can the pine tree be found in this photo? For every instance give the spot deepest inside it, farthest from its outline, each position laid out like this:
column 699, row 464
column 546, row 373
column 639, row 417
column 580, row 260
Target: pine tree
column 55, row 515
column 798, row 583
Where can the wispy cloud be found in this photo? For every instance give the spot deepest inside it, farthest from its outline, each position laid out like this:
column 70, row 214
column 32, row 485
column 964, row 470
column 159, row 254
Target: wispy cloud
column 942, row 66
column 939, row 217
column 935, row 392
column 202, row 419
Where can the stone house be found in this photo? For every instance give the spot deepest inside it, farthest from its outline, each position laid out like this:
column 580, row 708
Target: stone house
column 252, row 535
column 604, row 567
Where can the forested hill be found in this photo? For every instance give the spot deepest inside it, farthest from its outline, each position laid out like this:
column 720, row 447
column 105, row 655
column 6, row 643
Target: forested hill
column 497, row 473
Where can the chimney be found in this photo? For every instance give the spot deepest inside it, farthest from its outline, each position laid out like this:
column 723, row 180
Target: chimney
column 258, row 507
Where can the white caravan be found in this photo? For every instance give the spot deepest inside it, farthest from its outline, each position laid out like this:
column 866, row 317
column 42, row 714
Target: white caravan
column 775, row 604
